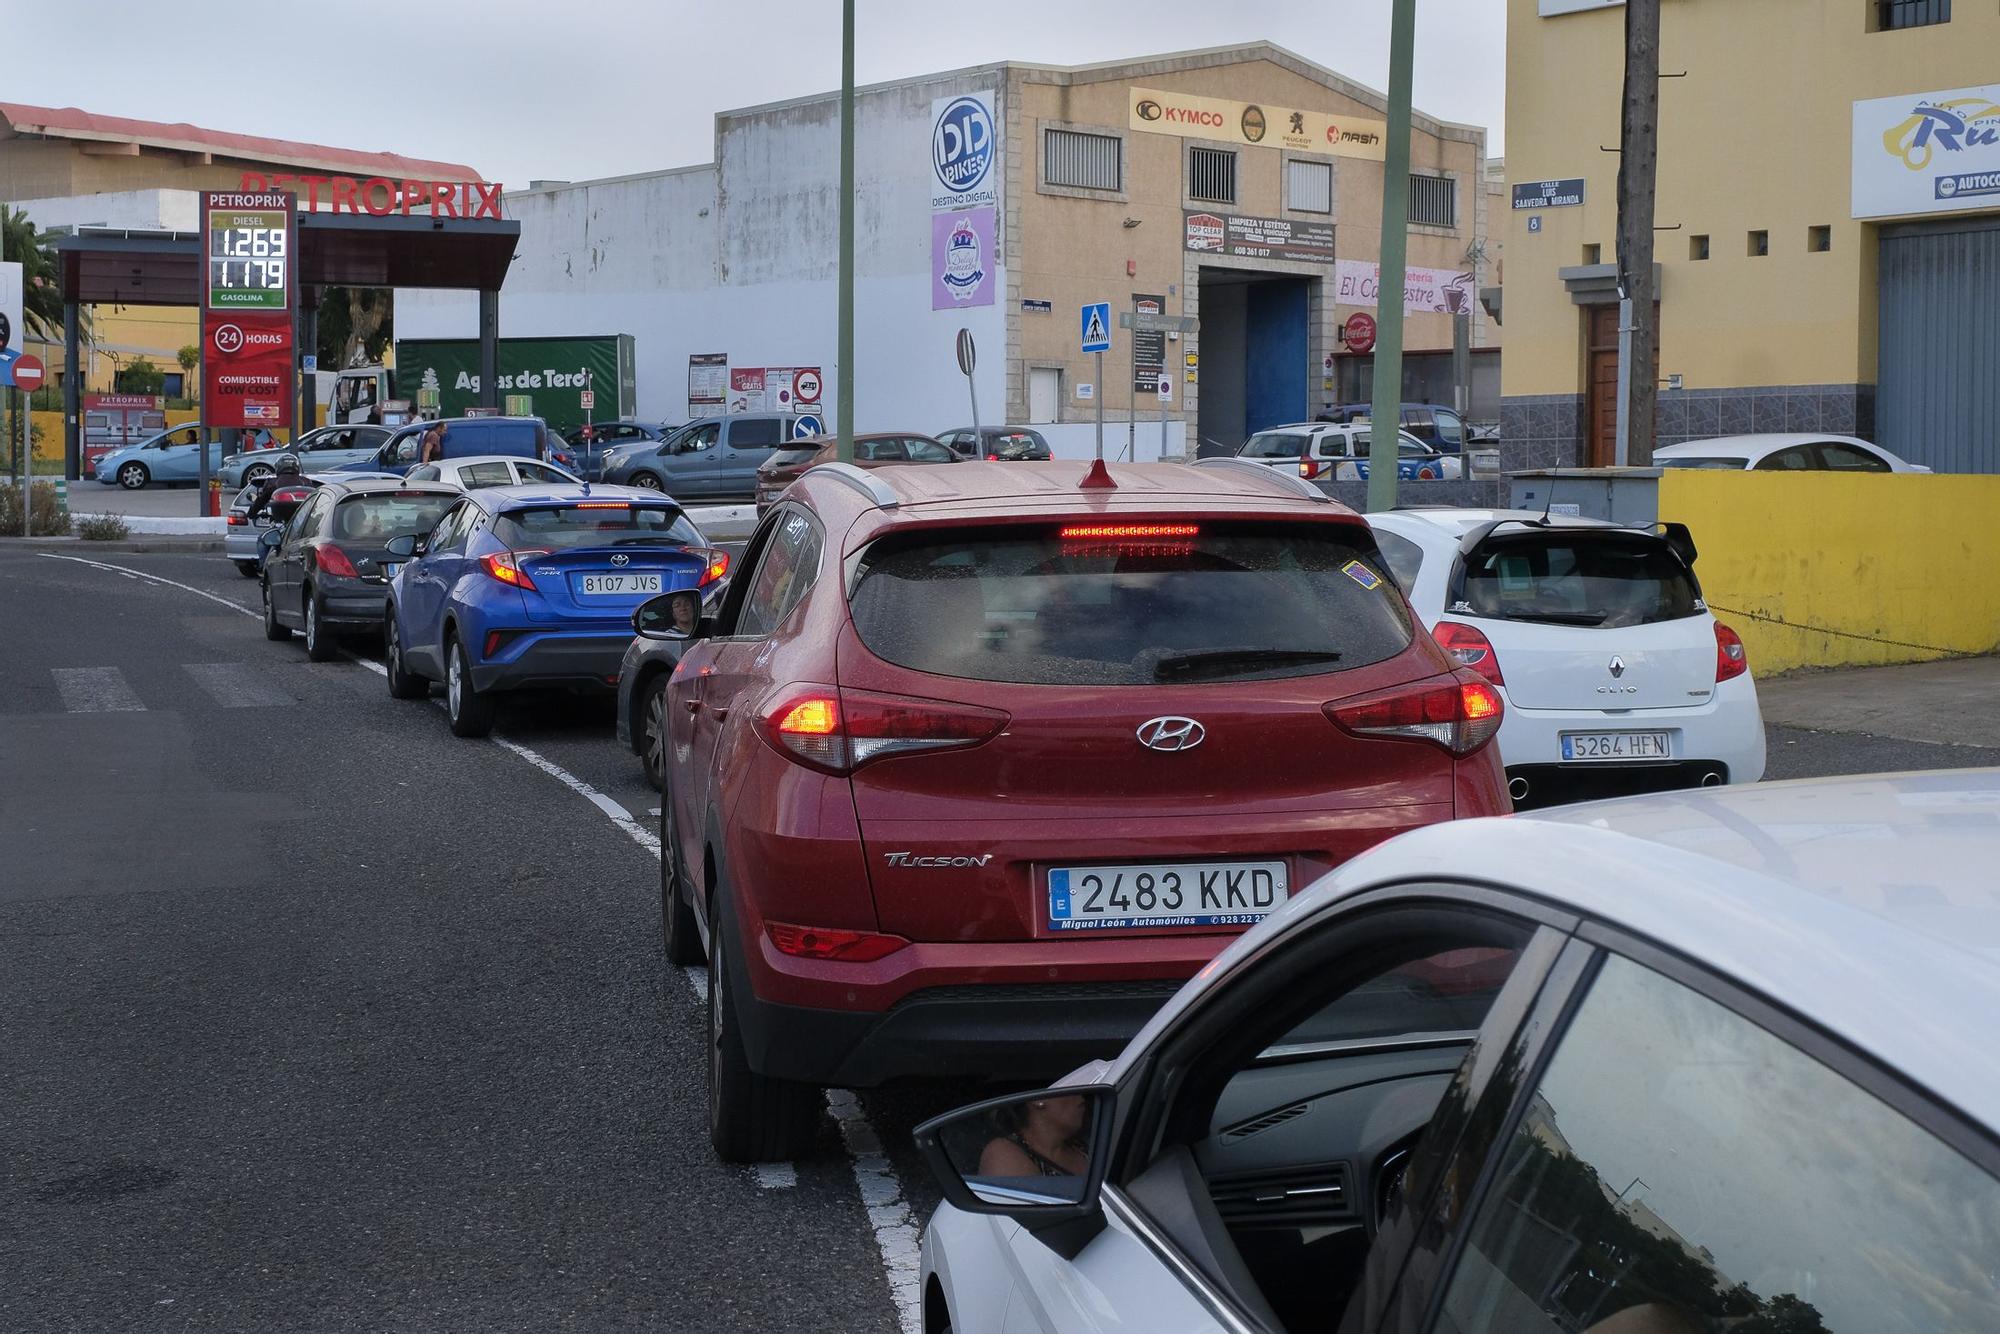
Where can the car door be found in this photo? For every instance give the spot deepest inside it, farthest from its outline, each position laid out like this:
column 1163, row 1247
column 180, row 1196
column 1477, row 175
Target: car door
column 176, row 455
column 1279, row 1131
column 746, row 443
column 1691, row 1158
column 424, row 584
column 1450, row 435
column 691, row 464
column 286, row 566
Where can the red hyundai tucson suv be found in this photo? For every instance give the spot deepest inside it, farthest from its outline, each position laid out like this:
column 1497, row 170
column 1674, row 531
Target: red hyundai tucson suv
column 973, row 766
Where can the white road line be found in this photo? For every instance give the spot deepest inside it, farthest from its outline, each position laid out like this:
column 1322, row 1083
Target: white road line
column 154, row 578
column 236, row 685
column 777, row 1176
column 896, row 1235
column 95, row 690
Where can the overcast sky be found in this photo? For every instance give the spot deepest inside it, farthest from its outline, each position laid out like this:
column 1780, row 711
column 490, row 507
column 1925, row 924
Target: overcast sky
column 591, row 88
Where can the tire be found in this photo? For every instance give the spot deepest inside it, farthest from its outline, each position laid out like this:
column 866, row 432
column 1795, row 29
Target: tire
column 403, row 683
column 248, row 569
column 470, row 709
column 254, row 475
column 678, row 934
column 647, row 481
column 751, row 1117
column 133, row 476
column 274, row 632
column 319, row 644
column 653, row 732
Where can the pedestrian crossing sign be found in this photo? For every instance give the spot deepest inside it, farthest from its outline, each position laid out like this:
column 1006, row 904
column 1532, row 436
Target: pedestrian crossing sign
column 1096, row 327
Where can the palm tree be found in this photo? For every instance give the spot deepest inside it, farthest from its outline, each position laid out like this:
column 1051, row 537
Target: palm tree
column 41, row 279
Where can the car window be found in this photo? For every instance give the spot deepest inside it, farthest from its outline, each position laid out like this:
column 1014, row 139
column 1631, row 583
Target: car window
column 538, row 472
column 1707, row 464
column 1578, row 577
column 1404, row 558
column 1796, row 458
column 1450, row 428
column 784, row 573
column 1681, row 1169
column 452, row 531
column 755, row 432
column 594, row 523
column 475, row 475
column 927, row 451
column 423, row 472
column 1847, row 458
column 700, row 437
column 1274, row 445
column 880, row 451
column 1114, row 604
column 310, row 520
column 381, row 517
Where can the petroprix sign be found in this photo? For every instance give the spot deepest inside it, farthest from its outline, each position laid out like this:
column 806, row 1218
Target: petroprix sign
column 379, row 195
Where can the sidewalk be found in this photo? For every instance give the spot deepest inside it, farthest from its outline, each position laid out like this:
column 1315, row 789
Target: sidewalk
column 1946, row 703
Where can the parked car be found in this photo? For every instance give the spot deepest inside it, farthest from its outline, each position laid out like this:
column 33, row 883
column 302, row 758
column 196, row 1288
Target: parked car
column 1791, row 451
column 327, row 571
column 319, row 450
column 1339, row 452
column 787, row 464
column 642, row 687
column 998, row 444
column 469, row 474
column 240, row 544
column 1617, row 676
column 174, row 455
column 1437, row 426
column 1700, row 1062
column 707, row 459
column 970, row 769
column 467, row 437
column 588, row 444
column 533, row 587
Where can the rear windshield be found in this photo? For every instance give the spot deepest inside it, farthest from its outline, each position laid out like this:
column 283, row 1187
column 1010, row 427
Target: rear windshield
column 1579, row 578
column 1274, row 445
column 1731, row 465
column 1225, row 602
column 376, row 519
column 789, row 458
column 594, row 524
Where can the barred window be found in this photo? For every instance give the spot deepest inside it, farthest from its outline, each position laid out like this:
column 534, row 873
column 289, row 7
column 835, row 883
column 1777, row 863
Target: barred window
column 1082, row 161
column 1911, row 13
column 1309, row 186
column 1212, row 175
column 1433, row 201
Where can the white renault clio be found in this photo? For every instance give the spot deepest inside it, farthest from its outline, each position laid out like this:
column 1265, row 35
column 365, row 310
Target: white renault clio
column 1617, row 678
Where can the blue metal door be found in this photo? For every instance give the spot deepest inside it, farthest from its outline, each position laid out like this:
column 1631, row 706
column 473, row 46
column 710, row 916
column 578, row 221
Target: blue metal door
column 1275, row 371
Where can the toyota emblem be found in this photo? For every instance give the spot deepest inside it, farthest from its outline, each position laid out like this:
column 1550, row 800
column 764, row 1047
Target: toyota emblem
column 1171, row 733
column 622, row 559
column 1617, row 667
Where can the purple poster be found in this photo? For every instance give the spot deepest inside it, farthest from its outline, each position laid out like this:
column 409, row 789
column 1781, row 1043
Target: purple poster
column 962, row 258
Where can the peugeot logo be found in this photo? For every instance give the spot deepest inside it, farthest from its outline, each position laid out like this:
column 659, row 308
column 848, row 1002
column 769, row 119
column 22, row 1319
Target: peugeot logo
column 1617, row 667
column 1171, row 733
column 622, row 559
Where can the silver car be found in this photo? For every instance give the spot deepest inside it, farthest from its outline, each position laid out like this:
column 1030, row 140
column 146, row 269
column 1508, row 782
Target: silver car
column 319, row 450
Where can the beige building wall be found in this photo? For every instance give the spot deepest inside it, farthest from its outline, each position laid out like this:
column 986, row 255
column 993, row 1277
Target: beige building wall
column 1070, row 247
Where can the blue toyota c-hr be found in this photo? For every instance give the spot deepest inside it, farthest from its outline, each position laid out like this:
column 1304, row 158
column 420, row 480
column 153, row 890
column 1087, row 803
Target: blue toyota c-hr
column 532, row 587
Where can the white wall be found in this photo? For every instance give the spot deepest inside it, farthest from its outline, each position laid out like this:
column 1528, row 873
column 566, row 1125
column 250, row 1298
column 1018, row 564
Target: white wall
column 756, row 277
column 137, row 210
column 1078, row 440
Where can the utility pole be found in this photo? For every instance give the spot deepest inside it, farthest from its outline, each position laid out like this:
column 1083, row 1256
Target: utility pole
column 1638, row 160
column 1386, row 406
column 844, row 407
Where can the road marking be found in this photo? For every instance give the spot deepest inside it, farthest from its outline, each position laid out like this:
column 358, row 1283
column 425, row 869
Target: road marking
column 896, row 1235
column 236, row 685
column 95, row 690
column 777, row 1176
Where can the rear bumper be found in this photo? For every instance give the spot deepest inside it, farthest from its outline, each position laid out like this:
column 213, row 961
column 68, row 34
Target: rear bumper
column 241, row 543
column 1725, row 734
column 353, row 606
column 535, row 659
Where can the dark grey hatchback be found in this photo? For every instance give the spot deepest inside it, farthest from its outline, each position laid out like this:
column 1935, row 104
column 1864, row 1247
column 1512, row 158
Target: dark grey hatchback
column 327, row 571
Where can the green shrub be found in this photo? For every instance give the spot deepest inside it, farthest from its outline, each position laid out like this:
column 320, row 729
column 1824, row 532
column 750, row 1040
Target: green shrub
column 102, row 528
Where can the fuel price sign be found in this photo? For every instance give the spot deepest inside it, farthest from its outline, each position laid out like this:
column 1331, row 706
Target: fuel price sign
column 249, row 250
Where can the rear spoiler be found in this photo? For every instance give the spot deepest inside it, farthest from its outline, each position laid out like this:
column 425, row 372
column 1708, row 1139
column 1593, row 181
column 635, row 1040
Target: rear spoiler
column 1676, row 535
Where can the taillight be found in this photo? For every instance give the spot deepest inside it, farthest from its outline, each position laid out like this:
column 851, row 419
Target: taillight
column 838, row 731
column 237, row 519
column 1459, row 715
column 992, row 458
column 1468, row 647
column 506, row 567
column 1730, row 659
column 715, row 563
column 1309, row 469
column 332, row 560
column 834, row 943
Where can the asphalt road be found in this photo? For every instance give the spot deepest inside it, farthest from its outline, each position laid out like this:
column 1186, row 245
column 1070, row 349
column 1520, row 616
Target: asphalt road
column 314, row 1017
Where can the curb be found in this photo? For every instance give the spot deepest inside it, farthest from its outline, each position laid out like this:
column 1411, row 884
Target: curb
column 151, row 544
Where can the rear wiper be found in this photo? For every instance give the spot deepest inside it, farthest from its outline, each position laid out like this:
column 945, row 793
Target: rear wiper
column 1561, row 617
column 1183, row 664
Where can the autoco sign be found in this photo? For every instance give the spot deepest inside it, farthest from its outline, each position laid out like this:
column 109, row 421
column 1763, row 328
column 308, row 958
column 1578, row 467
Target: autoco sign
column 379, row 195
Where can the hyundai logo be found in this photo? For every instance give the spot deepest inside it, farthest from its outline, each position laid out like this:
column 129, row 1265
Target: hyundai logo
column 1171, row 733
column 622, row 559
column 1617, row 667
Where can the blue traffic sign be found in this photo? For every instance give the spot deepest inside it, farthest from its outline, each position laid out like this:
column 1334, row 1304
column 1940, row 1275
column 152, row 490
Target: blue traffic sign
column 806, row 425
column 1095, row 327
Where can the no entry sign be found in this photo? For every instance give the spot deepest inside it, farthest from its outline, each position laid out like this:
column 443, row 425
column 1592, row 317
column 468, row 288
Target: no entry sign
column 28, row 373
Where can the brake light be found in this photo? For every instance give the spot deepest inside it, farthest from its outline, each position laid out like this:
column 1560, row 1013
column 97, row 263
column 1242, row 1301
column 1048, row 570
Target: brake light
column 332, row 560
column 1125, row 532
column 1730, row 659
column 992, row 458
column 834, row 943
column 506, row 567
column 1469, row 647
column 238, row 519
column 1458, row 716
column 838, row 731
column 1309, row 469
column 601, row 505
column 715, row 563
column 290, row 495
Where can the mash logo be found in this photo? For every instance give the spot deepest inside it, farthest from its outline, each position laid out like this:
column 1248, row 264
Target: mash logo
column 1955, row 125
column 962, row 144
column 1206, row 231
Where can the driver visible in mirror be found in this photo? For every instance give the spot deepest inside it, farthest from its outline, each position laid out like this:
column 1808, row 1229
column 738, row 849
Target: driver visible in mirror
column 1040, row 1138
column 686, row 612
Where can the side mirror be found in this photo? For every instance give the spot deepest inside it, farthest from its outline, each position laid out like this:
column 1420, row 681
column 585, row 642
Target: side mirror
column 268, row 540
column 404, row 547
column 669, row 617
column 1036, row 1158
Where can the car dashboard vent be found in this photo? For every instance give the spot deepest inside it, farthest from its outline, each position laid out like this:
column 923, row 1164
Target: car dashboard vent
column 1295, row 1197
column 1256, row 1125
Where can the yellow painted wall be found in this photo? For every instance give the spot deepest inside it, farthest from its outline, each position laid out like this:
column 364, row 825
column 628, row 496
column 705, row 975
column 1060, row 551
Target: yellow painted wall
column 1817, row 569
column 156, row 333
column 1755, row 137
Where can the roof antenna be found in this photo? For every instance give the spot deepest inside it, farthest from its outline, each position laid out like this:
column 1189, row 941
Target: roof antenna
column 1555, row 475
column 1098, row 478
